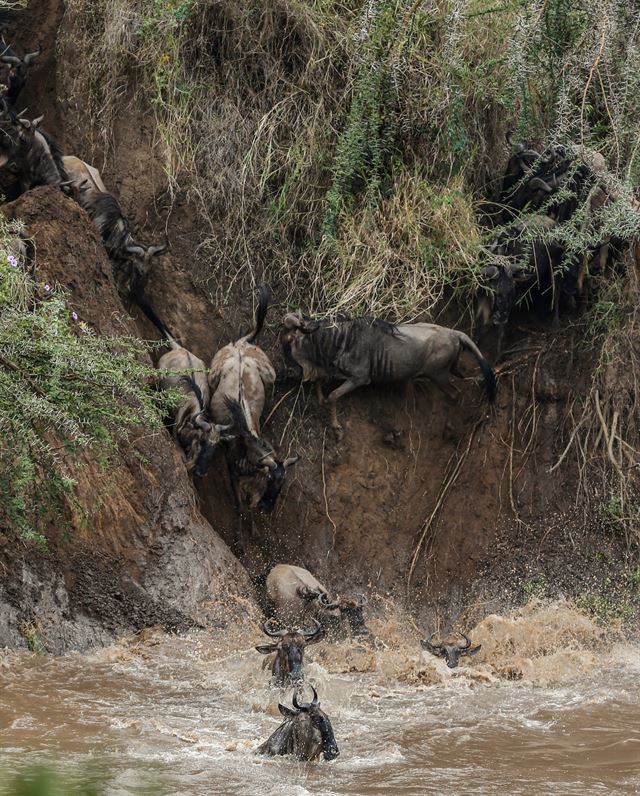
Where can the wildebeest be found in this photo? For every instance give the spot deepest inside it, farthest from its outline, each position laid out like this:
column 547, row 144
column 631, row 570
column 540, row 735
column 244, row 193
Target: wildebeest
column 450, row 648
column 306, row 733
column 239, row 375
column 529, row 268
column 14, row 76
column 364, row 351
column 289, row 650
column 28, row 156
column 196, row 434
column 132, row 261
column 295, row 595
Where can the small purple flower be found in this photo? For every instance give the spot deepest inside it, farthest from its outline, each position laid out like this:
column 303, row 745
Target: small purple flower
column 12, row 261
column 47, row 288
column 74, row 315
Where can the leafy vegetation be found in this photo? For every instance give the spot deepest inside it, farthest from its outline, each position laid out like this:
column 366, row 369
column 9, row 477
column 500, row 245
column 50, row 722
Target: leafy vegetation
column 64, row 391
column 344, row 150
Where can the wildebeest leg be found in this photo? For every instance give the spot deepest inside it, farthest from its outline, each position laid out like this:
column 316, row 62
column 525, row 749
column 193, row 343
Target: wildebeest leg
column 444, row 383
column 343, row 389
column 319, row 394
column 501, row 329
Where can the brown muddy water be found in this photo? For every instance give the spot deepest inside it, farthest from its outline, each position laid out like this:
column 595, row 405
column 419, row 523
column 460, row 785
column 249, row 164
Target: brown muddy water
column 550, row 705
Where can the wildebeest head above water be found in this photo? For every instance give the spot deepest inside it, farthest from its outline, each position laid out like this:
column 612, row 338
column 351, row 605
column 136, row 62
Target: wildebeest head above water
column 306, row 732
column 289, row 650
column 450, row 649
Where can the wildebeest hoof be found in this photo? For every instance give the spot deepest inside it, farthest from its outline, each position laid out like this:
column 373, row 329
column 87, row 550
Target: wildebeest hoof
column 339, row 433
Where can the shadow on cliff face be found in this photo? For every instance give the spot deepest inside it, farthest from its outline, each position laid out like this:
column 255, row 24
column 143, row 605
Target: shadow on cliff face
column 142, row 554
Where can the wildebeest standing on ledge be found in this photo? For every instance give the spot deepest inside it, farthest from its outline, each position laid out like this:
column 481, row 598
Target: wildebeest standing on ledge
column 364, row 351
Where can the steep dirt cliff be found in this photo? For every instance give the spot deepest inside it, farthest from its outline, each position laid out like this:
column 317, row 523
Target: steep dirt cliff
column 142, row 553
column 420, row 499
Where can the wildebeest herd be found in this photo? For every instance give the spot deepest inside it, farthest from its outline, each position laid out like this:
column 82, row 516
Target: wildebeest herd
column 303, row 613
column 222, row 405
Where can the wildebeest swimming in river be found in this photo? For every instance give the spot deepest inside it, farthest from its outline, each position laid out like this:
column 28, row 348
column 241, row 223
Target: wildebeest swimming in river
column 306, row 733
column 450, row 648
column 289, row 650
column 364, row 351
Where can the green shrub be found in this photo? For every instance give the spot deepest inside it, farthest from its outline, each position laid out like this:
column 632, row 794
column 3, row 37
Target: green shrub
column 63, row 391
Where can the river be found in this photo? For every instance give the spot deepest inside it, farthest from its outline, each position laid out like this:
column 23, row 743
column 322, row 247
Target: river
column 549, row 706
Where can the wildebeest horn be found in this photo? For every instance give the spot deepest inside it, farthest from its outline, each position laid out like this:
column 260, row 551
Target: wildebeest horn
column 305, row 705
column 135, row 249
column 289, row 461
column 223, row 429
column 324, row 599
column 309, row 634
column 429, row 645
column 10, row 59
column 537, row 183
column 35, row 122
column 273, row 633
column 153, row 251
column 31, row 57
column 201, row 422
column 467, row 645
column 489, row 271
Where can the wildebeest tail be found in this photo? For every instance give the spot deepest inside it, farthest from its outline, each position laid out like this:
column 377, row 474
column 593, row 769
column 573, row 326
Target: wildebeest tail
column 261, row 312
column 151, row 315
column 487, row 372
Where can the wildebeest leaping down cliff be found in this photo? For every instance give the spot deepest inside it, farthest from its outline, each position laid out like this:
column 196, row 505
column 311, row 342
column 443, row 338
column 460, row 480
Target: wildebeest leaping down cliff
column 364, row 351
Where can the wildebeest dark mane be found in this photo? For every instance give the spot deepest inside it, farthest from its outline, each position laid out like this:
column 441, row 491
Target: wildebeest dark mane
column 193, row 386
column 334, row 338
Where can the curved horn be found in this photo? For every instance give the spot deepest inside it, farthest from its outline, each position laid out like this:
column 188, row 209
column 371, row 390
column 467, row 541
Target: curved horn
column 36, row 122
column 135, row 249
column 31, row 57
column 201, row 422
column 311, row 633
column 324, row 600
column 11, row 60
column 273, row 633
column 429, row 645
column 537, row 183
column 467, row 645
column 305, row 705
column 154, row 251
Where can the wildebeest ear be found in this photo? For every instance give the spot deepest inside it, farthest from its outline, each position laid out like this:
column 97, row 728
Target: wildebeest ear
column 473, row 650
column 265, row 649
column 288, row 713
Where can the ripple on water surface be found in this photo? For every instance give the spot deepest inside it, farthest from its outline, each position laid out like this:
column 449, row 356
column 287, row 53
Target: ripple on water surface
column 545, row 708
